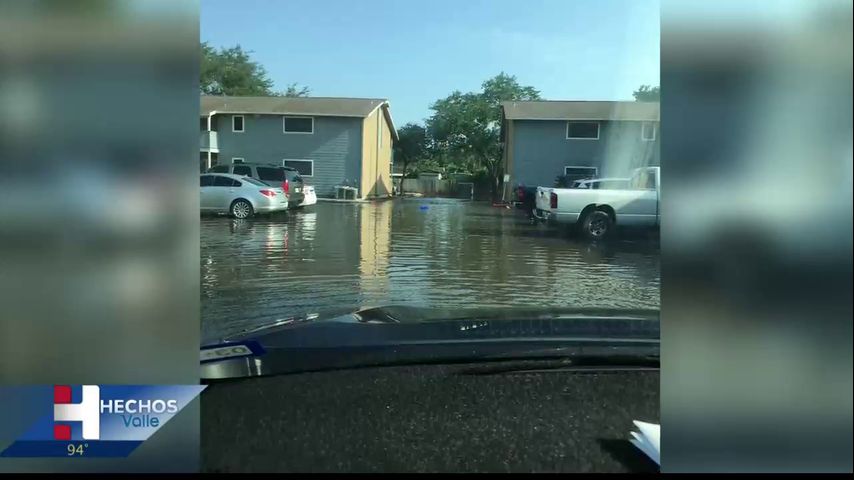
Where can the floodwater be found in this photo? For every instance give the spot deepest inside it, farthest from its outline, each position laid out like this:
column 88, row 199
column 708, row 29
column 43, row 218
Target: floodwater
column 338, row 257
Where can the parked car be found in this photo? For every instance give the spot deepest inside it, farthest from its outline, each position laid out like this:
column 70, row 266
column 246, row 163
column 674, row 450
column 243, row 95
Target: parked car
column 274, row 175
column 597, row 211
column 309, row 197
column 602, row 183
column 239, row 196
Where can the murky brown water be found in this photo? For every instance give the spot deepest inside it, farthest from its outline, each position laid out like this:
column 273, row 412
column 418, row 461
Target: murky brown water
column 337, row 257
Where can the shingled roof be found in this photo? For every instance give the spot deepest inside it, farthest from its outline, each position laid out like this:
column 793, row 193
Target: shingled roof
column 317, row 106
column 311, row 106
column 581, row 110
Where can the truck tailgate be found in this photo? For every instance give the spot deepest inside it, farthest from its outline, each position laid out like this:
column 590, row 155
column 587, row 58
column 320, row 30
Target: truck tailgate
column 543, row 200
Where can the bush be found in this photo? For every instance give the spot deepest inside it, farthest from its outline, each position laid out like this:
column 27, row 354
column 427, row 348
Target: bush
column 562, row 181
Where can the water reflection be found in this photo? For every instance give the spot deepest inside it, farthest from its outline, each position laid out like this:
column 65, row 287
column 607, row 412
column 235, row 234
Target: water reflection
column 374, row 241
column 336, row 257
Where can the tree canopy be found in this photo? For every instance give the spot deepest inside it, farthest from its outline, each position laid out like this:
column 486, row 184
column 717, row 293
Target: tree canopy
column 231, row 71
column 411, row 145
column 645, row 93
column 466, row 126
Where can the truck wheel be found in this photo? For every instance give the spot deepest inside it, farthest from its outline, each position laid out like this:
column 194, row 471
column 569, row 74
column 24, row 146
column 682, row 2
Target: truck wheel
column 596, row 225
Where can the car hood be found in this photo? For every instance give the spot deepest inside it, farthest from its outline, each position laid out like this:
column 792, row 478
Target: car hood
column 400, row 334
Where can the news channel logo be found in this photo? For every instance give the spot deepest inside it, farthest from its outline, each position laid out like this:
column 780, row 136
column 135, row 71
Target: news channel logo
column 98, row 420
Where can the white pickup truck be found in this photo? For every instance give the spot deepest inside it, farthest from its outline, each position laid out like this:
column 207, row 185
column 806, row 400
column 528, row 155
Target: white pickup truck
column 597, row 211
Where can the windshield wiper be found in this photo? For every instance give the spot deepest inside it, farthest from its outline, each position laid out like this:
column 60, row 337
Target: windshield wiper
column 581, row 364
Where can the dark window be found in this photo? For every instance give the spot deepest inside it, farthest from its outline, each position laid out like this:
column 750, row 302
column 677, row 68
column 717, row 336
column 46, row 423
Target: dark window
column 219, row 169
column 293, row 176
column 225, row 182
column 644, row 179
column 299, row 124
column 205, row 181
column 579, row 173
column 648, row 131
column 242, row 170
column 304, row 167
column 237, row 123
column 271, row 174
column 204, row 124
column 589, row 130
column 649, row 181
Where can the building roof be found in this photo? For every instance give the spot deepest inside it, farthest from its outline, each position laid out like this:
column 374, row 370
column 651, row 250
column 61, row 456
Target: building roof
column 316, row 106
column 311, row 106
column 581, row 110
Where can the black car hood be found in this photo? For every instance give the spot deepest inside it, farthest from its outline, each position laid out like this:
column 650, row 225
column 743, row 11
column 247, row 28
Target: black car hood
column 398, row 334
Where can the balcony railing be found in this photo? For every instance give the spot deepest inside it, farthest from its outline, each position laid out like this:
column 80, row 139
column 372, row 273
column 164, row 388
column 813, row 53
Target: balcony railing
column 208, row 142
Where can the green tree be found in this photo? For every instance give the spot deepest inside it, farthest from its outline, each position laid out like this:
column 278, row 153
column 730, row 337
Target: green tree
column 645, row 93
column 295, row 90
column 231, row 71
column 410, row 147
column 468, row 125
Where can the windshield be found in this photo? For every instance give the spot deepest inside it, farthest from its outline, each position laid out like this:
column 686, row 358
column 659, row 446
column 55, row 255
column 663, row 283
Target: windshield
column 415, row 172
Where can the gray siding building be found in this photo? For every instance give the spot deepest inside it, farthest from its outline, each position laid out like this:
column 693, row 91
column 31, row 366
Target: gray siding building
column 580, row 139
column 331, row 141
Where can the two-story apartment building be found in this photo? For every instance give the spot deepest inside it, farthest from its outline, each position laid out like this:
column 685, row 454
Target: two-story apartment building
column 330, row 141
column 579, row 139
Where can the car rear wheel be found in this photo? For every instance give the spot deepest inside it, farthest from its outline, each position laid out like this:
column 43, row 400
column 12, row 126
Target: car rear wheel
column 597, row 225
column 241, row 209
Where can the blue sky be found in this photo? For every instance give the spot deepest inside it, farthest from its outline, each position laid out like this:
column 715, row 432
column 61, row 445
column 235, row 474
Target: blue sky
column 414, row 52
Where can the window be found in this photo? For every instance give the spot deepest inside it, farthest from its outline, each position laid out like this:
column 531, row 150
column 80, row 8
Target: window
column 206, row 180
column 252, row 181
column 293, row 175
column 242, row 170
column 298, row 124
column 648, row 130
column 579, row 173
column 220, row 181
column 237, row 123
column 203, row 124
column 644, row 180
column 582, row 130
column 236, row 159
column 650, row 181
column 219, row 169
column 304, row 167
column 271, row 174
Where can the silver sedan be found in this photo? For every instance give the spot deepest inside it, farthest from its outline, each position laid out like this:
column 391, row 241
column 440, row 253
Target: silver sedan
column 241, row 197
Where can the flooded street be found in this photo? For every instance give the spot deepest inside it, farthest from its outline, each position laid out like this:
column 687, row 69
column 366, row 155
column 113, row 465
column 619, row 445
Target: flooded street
column 337, row 257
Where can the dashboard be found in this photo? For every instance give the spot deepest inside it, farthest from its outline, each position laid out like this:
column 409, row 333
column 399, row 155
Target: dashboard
column 470, row 417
